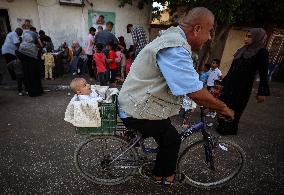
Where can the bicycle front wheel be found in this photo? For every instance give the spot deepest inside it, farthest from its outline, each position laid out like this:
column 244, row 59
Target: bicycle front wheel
column 228, row 159
column 106, row 160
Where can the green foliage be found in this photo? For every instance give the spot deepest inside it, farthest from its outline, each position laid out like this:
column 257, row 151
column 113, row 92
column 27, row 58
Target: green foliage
column 260, row 12
column 140, row 4
column 243, row 12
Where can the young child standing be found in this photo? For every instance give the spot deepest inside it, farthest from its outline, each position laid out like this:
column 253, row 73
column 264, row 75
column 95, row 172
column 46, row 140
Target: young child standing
column 216, row 92
column 214, row 73
column 118, row 58
column 100, row 59
column 48, row 63
column 128, row 63
column 188, row 107
column 129, row 59
column 111, row 62
column 204, row 74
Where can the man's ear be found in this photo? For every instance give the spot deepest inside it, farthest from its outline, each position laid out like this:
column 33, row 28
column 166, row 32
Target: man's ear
column 196, row 29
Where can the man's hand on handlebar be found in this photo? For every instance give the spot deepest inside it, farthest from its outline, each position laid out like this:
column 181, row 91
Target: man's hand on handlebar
column 226, row 113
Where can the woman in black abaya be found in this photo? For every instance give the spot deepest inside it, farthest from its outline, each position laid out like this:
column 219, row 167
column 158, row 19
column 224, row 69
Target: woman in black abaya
column 237, row 84
column 27, row 54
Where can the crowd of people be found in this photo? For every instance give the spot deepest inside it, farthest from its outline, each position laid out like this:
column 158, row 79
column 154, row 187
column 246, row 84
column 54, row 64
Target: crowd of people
column 105, row 57
column 23, row 52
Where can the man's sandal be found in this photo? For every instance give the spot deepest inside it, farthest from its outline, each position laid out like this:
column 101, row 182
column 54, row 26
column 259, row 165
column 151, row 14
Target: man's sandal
column 178, row 179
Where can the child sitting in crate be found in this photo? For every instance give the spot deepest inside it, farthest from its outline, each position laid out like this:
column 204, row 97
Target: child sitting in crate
column 83, row 109
column 83, row 90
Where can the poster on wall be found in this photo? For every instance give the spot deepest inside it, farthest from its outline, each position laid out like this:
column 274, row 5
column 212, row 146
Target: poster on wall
column 98, row 19
column 24, row 23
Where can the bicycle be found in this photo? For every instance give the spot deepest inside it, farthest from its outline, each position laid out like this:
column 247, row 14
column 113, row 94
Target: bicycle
column 114, row 159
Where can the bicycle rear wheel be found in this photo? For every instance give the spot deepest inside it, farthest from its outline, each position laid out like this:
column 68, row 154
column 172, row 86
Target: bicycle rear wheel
column 106, row 160
column 228, row 160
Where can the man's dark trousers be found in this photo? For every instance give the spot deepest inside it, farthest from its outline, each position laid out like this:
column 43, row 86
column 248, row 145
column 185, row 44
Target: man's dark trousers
column 167, row 138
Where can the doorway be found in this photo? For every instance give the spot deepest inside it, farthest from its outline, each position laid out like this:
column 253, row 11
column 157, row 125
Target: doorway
column 5, row 26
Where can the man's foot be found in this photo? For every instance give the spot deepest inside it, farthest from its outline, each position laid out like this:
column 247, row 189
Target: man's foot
column 20, row 93
column 175, row 179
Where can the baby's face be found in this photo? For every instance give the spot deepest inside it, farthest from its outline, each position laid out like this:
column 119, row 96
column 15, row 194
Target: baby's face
column 84, row 88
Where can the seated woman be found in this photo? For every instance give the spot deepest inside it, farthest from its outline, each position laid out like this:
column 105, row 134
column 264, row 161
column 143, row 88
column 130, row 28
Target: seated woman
column 66, row 54
column 77, row 52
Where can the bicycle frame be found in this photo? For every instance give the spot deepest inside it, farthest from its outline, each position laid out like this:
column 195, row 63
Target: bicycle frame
column 209, row 142
column 198, row 127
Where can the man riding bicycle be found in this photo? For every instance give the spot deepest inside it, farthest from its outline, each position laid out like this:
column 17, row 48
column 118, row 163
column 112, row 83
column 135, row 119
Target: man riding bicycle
column 160, row 75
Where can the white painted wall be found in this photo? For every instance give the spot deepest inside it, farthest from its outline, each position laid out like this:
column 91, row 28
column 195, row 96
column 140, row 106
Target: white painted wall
column 68, row 23
column 21, row 9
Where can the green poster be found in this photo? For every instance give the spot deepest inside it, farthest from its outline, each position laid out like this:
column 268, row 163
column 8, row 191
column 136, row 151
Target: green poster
column 98, row 18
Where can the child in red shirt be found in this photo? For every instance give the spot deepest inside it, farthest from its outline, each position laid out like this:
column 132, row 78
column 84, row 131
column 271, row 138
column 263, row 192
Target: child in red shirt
column 216, row 92
column 100, row 59
column 111, row 62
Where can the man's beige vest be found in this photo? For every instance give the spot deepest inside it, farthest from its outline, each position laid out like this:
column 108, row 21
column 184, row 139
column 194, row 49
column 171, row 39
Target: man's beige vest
column 145, row 93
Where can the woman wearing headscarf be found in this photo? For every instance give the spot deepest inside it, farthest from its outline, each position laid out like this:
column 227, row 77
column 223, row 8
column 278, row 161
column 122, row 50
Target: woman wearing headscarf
column 238, row 83
column 28, row 55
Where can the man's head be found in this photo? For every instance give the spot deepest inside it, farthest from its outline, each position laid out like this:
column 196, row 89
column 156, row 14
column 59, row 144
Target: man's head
column 64, row 45
column 49, row 49
column 75, row 44
column 100, row 28
column 109, row 26
column 19, row 31
column 32, row 29
column 80, row 86
column 197, row 25
column 206, row 67
column 129, row 28
column 101, row 20
column 218, row 85
column 215, row 63
column 41, row 33
column 27, row 22
column 99, row 47
column 109, row 45
column 92, row 31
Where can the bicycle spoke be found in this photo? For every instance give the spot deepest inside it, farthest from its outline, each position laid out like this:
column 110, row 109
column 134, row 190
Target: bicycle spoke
column 201, row 170
column 106, row 160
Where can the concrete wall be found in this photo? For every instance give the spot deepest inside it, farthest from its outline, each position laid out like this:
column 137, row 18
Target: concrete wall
column 235, row 40
column 67, row 23
column 21, row 9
